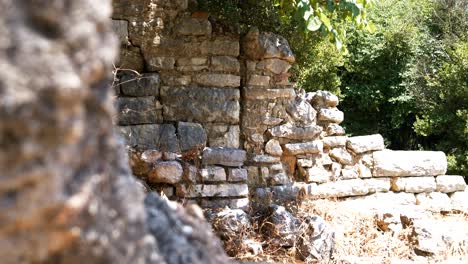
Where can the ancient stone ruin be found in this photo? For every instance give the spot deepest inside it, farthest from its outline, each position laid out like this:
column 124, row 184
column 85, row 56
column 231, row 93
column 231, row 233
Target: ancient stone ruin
column 210, row 117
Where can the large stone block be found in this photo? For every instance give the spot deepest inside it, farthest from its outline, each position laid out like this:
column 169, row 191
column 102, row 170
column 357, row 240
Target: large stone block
column 450, row 183
column 130, row 57
column 217, row 80
column 275, row 66
column 258, row 80
column 146, row 84
column 273, row 147
column 156, row 63
column 213, row 174
column 219, row 190
column 302, row 112
column 363, row 144
column 354, row 187
column 331, row 115
column 225, row 64
column 166, row 172
column 236, row 203
column 224, row 156
column 290, row 131
column 434, row 201
column 190, row 26
column 191, row 136
column 160, row 137
column 237, row 174
column 409, row 163
column 414, row 184
column 378, row 184
column 342, row 156
column 224, row 136
column 262, row 45
column 264, row 159
column 138, row 110
column 206, row 104
column 220, row 47
column 318, row 174
column 268, row 94
column 336, row 141
column 322, row 99
column 304, row 148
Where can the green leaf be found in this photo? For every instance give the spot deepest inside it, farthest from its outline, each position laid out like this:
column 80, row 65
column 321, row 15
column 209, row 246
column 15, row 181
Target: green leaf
column 314, row 24
column 371, row 27
column 325, row 21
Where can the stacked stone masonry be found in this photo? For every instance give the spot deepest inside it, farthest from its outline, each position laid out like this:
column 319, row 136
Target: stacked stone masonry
column 210, row 116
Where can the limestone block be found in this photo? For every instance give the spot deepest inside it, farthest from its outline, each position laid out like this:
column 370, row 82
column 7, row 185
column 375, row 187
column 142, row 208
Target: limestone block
column 213, row 174
column 268, row 94
column 166, row 172
column 335, row 130
column 342, row 156
column 363, row 144
column 190, row 173
column 258, row 80
column 318, row 174
column 354, row 187
column 279, row 179
column 138, row 110
column 414, row 184
column 220, row 47
column 291, row 131
column 262, row 45
column 364, row 171
column 378, row 184
column 194, row 61
column 176, row 80
column 219, row 190
column 331, row 115
column 450, row 183
column 159, row 137
column 206, row 104
column 217, row 80
column 190, row 26
column 336, row 169
column 236, row 203
column 336, row 141
column 130, row 58
column 321, row 99
column 349, row 172
column 304, row 148
column 146, row 84
column 273, row 147
column 275, row 66
column 305, row 163
column 459, row 200
column 302, row 112
column 264, row 159
column 225, row 64
column 224, row 156
column 160, row 63
column 434, row 201
column 223, row 135
column 236, row 175
column 191, row 136
column 409, row 163
column 120, row 27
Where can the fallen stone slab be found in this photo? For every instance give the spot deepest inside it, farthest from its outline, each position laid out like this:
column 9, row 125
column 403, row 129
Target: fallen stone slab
column 361, row 144
column 224, row 156
column 409, row 163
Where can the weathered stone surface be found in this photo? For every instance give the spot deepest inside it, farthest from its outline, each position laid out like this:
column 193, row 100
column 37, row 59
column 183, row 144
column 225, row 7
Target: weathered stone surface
column 194, row 61
column 349, row 172
column 280, row 226
column 273, row 147
column 166, row 172
column 458, row 200
column 322, row 99
column 335, row 130
column 316, row 240
column 130, row 58
column 378, row 184
column 294, row 132
column 409, row 163
column 414, row 184
column 264, row 159
column 230, row 224
column 206, row 104
column 233, row 203
column 190, row 26
column 304, row 148
column 160, row 137
column 331, row 115
column 217, row 80
column 354, row 187
column 262, row 45
column 258, row 80
column 389, row 220
column 265, row 94
column 146, row 84
column 336, row 141
column 318, row 174
column 191, row 136
column 220, row 47
column 450, row 183
column 160, row 63
column 213, row 174
column 434, row 201
column 224, row 156
column 138, row 110
column 363, row 144
column 235, row 175
column 223, row 135
column 219, row 190
column 364, row 171
column 120, row 28
column 177, row 80
column 302, row 112
column 342, row 156
column 225, row 64
column 275, row 66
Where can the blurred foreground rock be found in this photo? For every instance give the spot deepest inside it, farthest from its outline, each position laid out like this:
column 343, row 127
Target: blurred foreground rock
column 66, row 194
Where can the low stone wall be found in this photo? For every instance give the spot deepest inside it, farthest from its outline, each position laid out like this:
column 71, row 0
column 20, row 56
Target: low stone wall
column 210, row 116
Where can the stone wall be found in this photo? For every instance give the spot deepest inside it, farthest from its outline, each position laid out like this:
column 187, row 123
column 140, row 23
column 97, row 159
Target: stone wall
column 210, row 116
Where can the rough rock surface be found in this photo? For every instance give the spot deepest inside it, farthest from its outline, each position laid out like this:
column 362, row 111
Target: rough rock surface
column 316, row 240
column 66, row 191
column 280, row 226
column 409, row 163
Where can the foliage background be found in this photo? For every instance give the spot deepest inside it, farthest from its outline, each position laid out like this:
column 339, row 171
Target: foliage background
column 407, row 80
